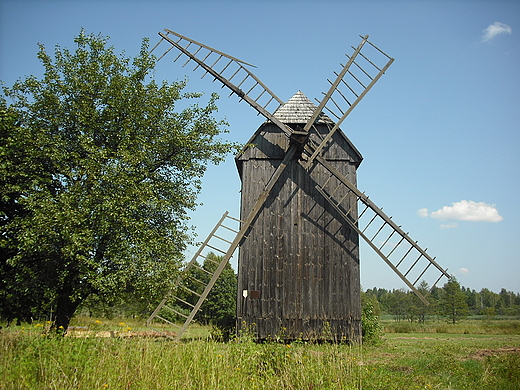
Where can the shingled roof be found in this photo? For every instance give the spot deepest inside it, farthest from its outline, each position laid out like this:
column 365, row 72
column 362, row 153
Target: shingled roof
column 298, row 110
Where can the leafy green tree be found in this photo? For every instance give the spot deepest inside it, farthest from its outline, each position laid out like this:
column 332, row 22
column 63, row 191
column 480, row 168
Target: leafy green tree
column 219, row 309
column 370, row 296
column 98, row 171
column 16, row 301
column 488, row 298
column 506, row 302
column 417, row 309
column 473, row 300
column 453, row 301
column 396, row 303
column 517, row 299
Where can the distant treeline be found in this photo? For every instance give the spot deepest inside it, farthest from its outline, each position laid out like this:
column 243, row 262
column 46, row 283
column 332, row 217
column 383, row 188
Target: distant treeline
column 451, row 301
column 444, row 301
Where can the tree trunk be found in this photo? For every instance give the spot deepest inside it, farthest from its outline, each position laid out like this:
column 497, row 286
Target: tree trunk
column 66, row 305
column 65, row 310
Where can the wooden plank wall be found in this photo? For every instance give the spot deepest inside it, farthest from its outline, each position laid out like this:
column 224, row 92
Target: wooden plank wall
column 300, row 263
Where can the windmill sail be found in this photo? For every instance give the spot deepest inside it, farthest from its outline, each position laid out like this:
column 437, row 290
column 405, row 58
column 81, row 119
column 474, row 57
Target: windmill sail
column 351, row 85
column 230, row 71
column 189, row 292
column 403, row 255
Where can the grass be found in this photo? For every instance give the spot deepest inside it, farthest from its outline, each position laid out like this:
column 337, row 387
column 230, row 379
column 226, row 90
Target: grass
column 466, row 327
column 29, row 359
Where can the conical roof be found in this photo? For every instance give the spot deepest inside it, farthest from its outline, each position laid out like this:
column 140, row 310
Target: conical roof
column 298, row 110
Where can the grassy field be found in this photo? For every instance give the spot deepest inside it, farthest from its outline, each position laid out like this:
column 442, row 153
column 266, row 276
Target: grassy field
column 470, row 355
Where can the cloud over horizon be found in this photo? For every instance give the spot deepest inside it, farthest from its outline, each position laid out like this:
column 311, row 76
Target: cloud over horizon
column 495, row 29
column 464, row 211
column 463, row 271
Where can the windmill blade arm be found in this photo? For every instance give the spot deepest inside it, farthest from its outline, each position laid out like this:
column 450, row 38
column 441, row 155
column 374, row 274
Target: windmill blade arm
column 237, row 70
column 334, row 85
column 376, row 249
column 327, row 138
column 174, row 299
column 206, row 47
column 406, row 258
column 351, row 85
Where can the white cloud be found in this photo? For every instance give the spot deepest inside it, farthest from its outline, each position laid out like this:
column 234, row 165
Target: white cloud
column 495, row 29
column 423, row 213
column 468, row 211
column 463, row 271
column 452, row 225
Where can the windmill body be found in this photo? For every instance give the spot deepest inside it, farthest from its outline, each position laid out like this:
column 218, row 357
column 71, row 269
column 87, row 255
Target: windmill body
column 298, row 273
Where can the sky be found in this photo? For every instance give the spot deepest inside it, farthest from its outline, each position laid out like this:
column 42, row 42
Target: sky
column 439, row 132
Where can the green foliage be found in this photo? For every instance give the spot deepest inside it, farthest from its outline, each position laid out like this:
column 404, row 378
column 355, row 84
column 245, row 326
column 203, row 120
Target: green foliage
column 98, row 171
column 453, row 301
column 372, row 331
column 404, row 305
column 219, row 309
column 14, row 296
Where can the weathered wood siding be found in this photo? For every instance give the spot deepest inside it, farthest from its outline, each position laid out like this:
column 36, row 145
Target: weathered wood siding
column 299, row 268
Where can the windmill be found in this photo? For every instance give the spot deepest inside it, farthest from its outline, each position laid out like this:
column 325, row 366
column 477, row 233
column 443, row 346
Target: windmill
column 300, row 226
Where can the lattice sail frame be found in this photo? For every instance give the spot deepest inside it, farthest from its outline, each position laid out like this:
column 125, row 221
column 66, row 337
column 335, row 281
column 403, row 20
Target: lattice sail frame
column 232, row 73
column 351, row 85
column 182, row 301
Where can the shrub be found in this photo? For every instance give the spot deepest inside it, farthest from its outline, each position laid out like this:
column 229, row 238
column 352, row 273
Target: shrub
column 372, row 331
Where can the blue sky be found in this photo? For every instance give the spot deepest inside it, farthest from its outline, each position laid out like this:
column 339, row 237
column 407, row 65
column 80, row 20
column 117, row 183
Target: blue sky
column 439, row 132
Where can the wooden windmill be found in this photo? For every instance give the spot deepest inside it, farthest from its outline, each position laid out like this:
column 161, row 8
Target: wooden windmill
column 299, row 227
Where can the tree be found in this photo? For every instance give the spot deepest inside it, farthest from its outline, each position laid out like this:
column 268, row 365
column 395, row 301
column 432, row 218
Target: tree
column 370, row 297
column 453, row 301
column 15, row 300
column 219, row 309
column 473, row 300
column 396, row 303
column 417, row 308
column 98, row 172
column 371, row 328
column 488, row 298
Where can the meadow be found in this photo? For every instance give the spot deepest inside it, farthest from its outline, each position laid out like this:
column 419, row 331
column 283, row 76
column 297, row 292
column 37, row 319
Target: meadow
column 469, row 355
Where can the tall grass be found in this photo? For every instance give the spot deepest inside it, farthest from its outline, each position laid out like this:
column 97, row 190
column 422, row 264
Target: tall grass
column 35, row 361
column 31, row 359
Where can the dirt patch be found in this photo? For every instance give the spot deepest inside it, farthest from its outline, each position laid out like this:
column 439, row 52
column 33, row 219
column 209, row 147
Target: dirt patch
column 405, row 369
column 125, row 334
column 484, row 353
